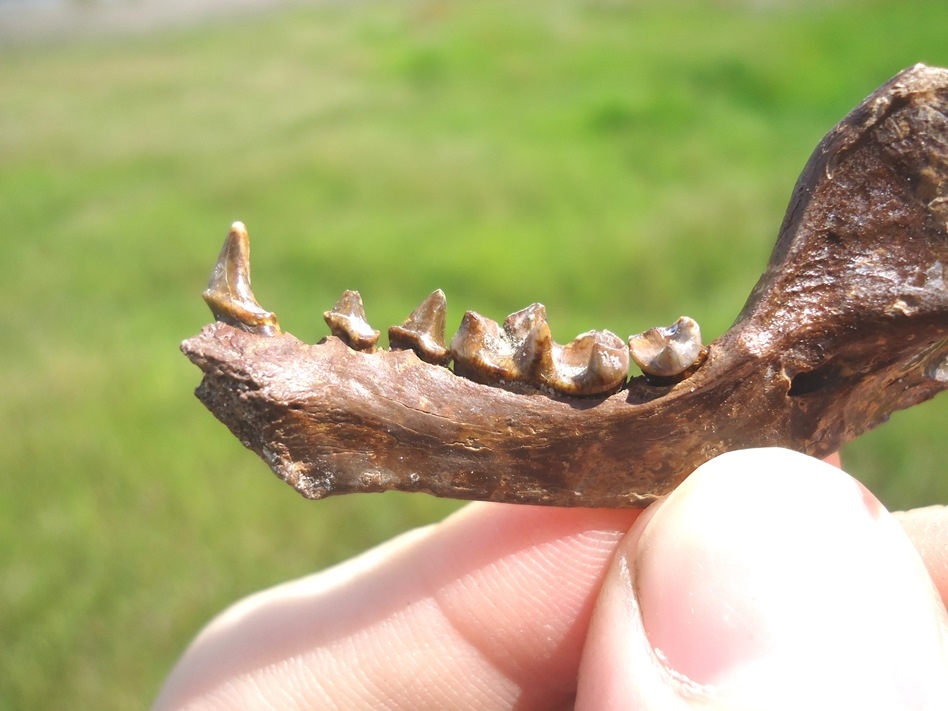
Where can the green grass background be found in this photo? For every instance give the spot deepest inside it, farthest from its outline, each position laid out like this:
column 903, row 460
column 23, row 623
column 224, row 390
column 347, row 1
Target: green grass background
column 621, row 162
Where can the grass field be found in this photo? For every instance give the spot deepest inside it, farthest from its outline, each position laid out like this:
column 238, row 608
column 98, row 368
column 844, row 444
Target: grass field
column 623, row 163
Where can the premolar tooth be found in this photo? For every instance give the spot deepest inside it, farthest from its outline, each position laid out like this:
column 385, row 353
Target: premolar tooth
column 668, row 351
column 423, row 331
column 228, row 293
column 529, row 336
column 347, row 321
column 481, row 350
column 593, row 363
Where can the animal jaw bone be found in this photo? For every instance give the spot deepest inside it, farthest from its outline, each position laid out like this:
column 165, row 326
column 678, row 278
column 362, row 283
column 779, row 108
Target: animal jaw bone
column 848, row 324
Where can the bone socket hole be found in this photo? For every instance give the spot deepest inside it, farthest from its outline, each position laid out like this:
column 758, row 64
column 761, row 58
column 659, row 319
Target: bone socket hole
column 811, row 381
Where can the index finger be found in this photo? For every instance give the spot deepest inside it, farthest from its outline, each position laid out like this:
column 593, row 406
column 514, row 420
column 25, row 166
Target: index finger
column 488, row 609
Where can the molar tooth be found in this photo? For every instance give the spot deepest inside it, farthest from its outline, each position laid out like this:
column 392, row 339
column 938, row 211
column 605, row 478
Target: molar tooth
column 523, row 351
column 347, row 321
column 593, row 363
column 487, row 353
column 423, row 331
column 668, row 351
column 228, row 292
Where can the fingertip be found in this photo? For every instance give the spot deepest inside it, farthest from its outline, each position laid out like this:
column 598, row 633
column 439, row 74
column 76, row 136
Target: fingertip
column 767, row 570
column 927, row 528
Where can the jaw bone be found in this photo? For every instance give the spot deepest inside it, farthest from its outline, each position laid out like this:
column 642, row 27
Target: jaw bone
column 848, row 324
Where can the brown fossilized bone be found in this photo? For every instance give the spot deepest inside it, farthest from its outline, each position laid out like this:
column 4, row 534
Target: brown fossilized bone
column 848, row 324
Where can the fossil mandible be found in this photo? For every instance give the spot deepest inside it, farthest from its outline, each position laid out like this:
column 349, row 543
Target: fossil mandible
column 848, row 323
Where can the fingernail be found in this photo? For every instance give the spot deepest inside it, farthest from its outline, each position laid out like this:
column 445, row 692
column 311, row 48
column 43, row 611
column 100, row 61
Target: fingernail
column 766, row 566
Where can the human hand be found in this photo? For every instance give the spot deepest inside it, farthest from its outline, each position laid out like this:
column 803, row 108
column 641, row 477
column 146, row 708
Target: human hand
column 768, row 580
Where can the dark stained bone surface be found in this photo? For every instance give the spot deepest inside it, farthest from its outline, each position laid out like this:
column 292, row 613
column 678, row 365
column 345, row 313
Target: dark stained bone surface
column 848, row 323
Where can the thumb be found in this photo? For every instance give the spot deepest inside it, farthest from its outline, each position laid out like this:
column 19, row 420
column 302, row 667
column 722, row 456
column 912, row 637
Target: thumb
column 768, row 580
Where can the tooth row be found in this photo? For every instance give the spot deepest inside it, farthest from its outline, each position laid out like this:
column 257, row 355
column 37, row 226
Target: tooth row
column 521, row 350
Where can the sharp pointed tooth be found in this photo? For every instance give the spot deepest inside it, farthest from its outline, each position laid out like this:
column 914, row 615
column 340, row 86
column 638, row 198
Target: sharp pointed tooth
column 529, row 335
column 520, row 324
column 593, row 363
column 228, row 293
column 423, row 331
column 347, row 321
column 668, row 351
column 481, row 350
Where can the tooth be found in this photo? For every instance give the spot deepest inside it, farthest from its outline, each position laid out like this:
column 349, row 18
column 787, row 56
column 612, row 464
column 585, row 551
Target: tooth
column 481, row 350
column 523, row 351
column 228, row 293
column 488, row 353
column 593, row 363
column 529, row 336
column 668, row 351
column 423, row 331
column 347, row 321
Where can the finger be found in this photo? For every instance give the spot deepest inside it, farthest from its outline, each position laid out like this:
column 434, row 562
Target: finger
column 928, row 530
column 768, row 580
column 487, row 610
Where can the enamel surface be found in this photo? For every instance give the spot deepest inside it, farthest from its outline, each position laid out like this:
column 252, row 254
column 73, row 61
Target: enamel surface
column 523, row 351
column 347, row 321
column 228, row 293
column 667, row 351
column 423, row 331
column 593, row 363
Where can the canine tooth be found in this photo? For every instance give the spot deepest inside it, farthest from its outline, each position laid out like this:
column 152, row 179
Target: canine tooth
column 423, row 331
column 667, row 351
column 593, row 363
column 347, row 321
column 228, row 292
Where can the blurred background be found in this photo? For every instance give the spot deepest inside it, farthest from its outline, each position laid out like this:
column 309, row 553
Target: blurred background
column 622, row 162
